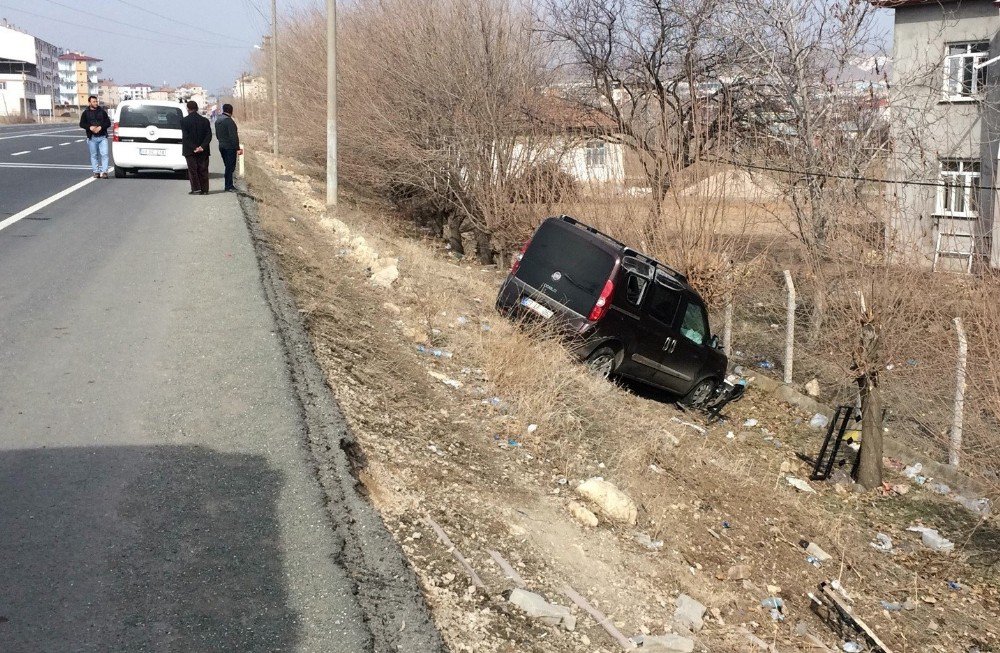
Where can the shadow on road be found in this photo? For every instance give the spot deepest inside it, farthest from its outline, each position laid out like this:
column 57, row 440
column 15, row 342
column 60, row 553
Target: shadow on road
column 168, row 548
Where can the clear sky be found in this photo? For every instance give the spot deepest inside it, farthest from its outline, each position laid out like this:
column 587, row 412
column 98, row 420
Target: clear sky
column 206, row 42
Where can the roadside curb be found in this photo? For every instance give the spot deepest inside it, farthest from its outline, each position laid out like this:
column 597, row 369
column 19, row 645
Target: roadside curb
column 385, row 586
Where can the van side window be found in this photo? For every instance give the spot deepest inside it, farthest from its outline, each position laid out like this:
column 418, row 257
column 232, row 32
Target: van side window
column 695, row 326
column 635, row 288
column 664, row 303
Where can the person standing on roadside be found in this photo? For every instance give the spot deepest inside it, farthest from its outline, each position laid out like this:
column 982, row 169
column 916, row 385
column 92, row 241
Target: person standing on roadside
column 95, row 121
column 196, row 134
column 229, row 143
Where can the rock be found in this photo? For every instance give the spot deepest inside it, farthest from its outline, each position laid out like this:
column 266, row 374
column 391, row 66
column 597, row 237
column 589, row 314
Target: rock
column 815, row 551
column 689, row 614
column 739, row 572
column 582, row 515
column 812, row 388
column 800, row 485
column 391, row 308
column 667, row 644
column 787, row 466
column 612, row 502
column 385, row 277
column 536, row 607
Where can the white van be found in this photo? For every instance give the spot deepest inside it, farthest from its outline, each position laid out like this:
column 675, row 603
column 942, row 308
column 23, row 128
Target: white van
column 147, row 136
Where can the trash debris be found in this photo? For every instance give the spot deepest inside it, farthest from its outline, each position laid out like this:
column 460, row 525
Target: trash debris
column 800, row 485
column 536, row 607
column 813, row 560
column 882, row 543
column 913, row 471
column 690, row 613
column 815, row 551
column 773, row 603
column 892, row 607
column 812, row 388
column 445, row 380
column 730, row 435
column 819, row 421
column 726, row 525
column 511, row 442
column 694, row 426
column 978, row 506
column 462, row 320
column 648, row 542
column 437, row 353
column 765, row 365
column 829, row 605
column 532, row 428
column 835, row 584
column 852, row 647
column 939, row 488
column 954, row 585
column 750, row 423
column 932, row 539
column 611, row 501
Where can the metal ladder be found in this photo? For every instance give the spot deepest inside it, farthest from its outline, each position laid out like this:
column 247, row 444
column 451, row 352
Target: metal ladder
column 954, row 252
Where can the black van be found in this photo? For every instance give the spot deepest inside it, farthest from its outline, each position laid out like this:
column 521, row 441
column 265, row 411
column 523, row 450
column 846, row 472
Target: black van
column 627, row 313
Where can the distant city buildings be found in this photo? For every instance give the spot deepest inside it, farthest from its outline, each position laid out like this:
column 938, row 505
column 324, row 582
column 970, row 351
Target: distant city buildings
column 77, row 78
column 28, row 69
column 163, row 94
column 249, row 87
column 139, row 91
column 108, row 93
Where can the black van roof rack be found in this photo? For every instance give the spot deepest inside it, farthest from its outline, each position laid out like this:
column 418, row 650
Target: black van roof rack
column 627, row 250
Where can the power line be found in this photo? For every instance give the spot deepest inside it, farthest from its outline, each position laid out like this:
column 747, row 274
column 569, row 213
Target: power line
column 174, row 20
column 830, row 175
column 108, row 31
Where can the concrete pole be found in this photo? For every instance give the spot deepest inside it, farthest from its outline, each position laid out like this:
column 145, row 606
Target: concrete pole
column 727, row 325
column 274, row 75
column 789, row 328
column 331, row 103
column 955, row 444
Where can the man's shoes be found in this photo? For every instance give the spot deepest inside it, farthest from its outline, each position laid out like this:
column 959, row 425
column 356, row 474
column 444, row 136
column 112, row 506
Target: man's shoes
column 97, row 175
column 231, row 189
column 194, row 192
column 204, row 192
column 104, row 175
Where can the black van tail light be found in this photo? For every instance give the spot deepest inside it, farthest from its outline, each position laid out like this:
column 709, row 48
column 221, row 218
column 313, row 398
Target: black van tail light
column 601, row 307
column 517, row 259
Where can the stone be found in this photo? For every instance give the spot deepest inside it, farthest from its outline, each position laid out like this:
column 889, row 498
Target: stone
column 582, row 514
column 385, row 277
column 667, row 644
column 391, row 308
column 812, row 388
column 690, row 613
column 536, row 607
column 739, row 572
column 612, row 502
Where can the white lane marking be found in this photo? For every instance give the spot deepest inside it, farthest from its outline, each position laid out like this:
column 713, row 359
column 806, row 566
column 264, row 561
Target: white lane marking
column 20, row 153
column 45, row 166
column 45, row 133
column 80, row 140
column 66, row 143
column 17, row 217
column 47, row 147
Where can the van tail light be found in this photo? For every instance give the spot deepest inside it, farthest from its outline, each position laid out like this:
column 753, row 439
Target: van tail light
column 114, row 133
column 601, row 307
column 517, row 259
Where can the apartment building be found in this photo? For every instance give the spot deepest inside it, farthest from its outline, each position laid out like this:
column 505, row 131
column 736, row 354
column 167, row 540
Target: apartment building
column 78, row 78
column 28, row 69
column 108, row 93
column 137, row 91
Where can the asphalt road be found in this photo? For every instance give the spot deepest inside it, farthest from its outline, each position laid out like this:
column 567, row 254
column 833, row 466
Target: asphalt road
column 156, row 490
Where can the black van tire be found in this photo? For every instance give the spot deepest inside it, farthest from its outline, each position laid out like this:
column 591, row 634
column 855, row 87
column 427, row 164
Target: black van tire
column 603, row 361
column 699, row 394
column 119, row 173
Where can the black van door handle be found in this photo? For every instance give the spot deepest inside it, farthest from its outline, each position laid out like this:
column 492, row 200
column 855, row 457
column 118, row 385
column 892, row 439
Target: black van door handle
column 669, row 345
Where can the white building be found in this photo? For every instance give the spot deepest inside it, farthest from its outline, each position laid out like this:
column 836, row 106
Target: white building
column 28, row 68
column 108, row 93
column 250, row 88
column 135, row 91
column 77, row 78
column 163, row 94
column 186, row 92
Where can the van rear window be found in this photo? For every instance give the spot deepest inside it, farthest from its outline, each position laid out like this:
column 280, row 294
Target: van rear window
column 145, row 116
column 565, row 265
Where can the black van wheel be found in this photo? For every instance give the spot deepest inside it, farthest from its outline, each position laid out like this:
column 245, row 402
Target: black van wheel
column 699, row 394
column 602, row 362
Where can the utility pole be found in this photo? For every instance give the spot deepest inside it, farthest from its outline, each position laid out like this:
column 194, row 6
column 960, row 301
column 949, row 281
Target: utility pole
column 274, row 76
column 331, row 103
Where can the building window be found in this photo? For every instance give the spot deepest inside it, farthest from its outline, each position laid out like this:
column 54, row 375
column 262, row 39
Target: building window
column 596, row 154
column 958, row 194
column 961, row 78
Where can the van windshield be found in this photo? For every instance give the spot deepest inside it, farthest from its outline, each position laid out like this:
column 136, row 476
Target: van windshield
column 564, row 264
column 146, row 115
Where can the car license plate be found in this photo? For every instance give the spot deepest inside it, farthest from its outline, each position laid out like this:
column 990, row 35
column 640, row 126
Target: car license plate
column 149, row 151
column 530, row 303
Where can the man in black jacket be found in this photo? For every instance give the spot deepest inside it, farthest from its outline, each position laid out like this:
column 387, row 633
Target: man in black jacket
column 196, row 134
column 95, row 121
column 229, row 142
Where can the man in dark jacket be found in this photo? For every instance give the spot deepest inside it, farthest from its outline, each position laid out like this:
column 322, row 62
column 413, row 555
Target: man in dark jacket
column 229, row 142
column 95, row 121
column 196, row 134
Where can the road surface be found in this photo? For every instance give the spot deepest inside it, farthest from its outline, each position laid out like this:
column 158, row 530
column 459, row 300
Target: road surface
column 156, row 489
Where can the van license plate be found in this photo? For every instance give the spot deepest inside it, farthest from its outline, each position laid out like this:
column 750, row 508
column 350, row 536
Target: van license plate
column 528, row 302
column 152, row 151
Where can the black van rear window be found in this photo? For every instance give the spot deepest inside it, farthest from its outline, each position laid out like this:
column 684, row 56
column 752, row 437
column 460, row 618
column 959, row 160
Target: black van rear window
column 564, row 264
column 146, row 115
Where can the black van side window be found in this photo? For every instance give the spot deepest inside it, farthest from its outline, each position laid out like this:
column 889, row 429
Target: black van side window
column 663, row 305
column 695, row 326
column 635, row 288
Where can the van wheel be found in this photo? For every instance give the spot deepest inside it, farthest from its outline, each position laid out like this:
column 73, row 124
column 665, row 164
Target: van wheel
column 699, row 394
column 119, row 172
column 602, row 362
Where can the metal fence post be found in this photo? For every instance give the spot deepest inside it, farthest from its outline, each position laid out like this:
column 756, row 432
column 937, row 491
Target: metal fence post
column 955, row 444
column 727, row 326
column 789, row 328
